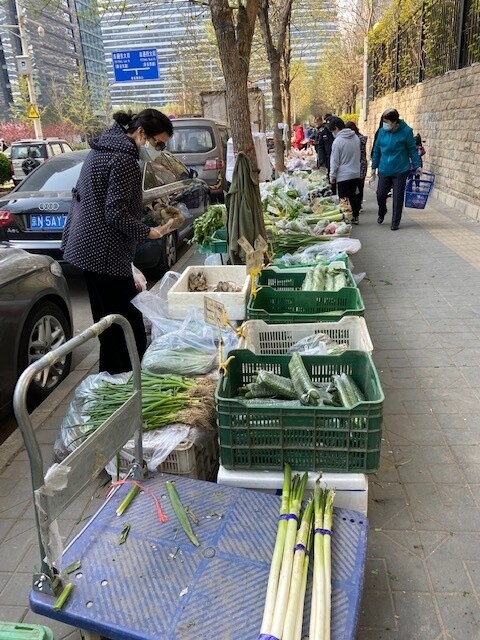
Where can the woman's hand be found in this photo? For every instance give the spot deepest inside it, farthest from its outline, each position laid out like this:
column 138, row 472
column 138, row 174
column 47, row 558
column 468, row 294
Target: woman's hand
column 161, row 230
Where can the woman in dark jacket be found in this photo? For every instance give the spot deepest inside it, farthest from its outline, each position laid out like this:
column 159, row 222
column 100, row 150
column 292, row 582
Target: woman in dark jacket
column 104, row 225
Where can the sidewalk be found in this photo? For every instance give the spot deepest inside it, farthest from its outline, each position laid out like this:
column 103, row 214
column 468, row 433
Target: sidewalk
column 422, row 576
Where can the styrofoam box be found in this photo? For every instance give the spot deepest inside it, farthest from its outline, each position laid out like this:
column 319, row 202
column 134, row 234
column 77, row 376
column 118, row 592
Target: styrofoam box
column 180, row 298
column 351, row 488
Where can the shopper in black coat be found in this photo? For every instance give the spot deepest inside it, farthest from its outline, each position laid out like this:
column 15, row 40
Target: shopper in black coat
column 104, row 225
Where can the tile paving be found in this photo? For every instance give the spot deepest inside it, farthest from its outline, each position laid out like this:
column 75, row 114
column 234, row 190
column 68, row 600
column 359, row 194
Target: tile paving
column 422, row 578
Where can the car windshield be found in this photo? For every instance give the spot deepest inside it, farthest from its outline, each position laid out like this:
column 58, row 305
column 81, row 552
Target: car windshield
column 28, row 150
column 192, row 139
column 54, row 175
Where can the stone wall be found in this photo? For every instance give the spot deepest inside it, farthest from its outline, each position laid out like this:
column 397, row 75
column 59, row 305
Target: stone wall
column 446, row 113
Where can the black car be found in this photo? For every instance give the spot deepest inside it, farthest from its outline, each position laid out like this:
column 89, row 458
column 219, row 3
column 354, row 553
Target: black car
column 33, row 215
column 36, row 318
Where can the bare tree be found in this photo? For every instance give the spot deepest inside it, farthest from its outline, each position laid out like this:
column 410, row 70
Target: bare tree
column 274, row 19
column 234, row 29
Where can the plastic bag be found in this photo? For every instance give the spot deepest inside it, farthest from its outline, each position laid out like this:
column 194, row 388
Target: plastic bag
column 154, row 306
column 373, row 182
column 74, row 427
column 157, row 446
column 318, row 344
column 213, row 260
column 139, row 279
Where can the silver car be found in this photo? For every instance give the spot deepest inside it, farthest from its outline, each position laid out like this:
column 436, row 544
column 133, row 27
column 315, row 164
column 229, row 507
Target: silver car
column 201, row 144
column 36, row 317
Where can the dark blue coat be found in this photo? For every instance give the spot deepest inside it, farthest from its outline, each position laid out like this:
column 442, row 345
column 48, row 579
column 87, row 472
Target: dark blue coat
column 104, row 222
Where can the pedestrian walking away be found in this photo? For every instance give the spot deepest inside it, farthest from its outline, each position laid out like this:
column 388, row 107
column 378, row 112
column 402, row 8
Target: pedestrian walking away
column 104, row 224
column 394, row 155
column 345, row 164
column 363, row 160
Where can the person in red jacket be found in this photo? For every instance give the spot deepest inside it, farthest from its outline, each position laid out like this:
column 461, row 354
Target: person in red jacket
column 298, row 136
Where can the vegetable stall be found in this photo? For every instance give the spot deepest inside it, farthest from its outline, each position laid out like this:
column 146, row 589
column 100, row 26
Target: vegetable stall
column 264, row 370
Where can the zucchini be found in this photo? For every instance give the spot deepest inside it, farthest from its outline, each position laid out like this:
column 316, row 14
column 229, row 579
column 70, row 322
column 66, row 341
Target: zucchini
column 304, row 387
column 280, row 386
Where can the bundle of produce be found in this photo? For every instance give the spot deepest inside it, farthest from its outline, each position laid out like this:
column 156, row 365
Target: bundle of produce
column 287, row 582
column 284, row 204
column 318, row 344
column 340, row 391
column 325, row 278
column 166, row 399
column 214, row 218
column 178, row 359
column 293, row 241
column 197, row 281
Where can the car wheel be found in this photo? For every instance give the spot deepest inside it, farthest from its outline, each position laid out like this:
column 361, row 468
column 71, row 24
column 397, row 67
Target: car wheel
column 45, row 329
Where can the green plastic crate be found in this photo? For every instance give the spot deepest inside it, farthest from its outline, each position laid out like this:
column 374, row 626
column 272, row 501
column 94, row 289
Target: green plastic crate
column 266, row 435
column 291, row 281
column 219, row 243
column 282, row 307
column 22, row 631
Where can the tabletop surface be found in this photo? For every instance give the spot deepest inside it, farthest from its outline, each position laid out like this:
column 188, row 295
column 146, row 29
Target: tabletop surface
column 159, row 586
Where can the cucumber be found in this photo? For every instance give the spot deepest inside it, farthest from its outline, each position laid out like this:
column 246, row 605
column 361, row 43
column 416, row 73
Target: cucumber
column 280, row 386
column 304, row 387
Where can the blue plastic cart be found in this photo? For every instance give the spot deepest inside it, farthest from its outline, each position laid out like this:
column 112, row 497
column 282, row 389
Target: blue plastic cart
column 157, row 585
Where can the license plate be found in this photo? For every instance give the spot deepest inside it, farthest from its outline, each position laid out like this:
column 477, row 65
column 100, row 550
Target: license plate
column 47, row 221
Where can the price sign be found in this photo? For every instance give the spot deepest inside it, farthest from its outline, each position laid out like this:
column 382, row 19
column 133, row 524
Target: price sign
column 254, row 261
column 214, row 312
column 261, row 244
column 246, row 246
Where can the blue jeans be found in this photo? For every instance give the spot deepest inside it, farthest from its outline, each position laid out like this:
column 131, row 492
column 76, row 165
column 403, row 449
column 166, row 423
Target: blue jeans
column 397, row 184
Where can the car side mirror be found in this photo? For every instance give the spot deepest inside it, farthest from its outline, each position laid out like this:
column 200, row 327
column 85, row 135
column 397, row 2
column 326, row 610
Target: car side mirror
column 192, row 173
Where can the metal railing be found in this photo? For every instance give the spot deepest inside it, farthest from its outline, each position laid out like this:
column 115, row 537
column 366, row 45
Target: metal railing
column 441, row 36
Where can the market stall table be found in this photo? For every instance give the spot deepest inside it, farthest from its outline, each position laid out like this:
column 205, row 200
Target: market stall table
column 156, row 585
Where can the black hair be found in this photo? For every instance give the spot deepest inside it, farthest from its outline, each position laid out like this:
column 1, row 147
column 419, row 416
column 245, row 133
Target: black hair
column 352, row 125
column 391, row 115
column 151, row 120
column 335, row 123
column 327, row 116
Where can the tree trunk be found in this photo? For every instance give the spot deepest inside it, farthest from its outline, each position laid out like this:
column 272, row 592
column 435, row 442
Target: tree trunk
column 234, row 47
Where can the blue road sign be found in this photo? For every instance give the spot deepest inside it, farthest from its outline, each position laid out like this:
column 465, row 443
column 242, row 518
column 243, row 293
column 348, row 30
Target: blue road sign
column 135, row 66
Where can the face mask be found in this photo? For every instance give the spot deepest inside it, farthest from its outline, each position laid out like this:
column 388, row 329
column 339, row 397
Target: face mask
column 387, row 126
column 147, row 153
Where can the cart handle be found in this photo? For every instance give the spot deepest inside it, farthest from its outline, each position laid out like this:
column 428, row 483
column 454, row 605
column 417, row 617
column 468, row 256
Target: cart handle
column 85, row 463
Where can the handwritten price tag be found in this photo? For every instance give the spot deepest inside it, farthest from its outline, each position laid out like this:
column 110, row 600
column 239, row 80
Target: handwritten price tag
column 261, row 244
column 214, row 312
column 246, row 246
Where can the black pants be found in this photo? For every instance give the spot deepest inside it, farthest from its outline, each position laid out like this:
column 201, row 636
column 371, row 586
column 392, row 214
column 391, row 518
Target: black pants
column 113, row 294
column 349, row 189
column 397, row 184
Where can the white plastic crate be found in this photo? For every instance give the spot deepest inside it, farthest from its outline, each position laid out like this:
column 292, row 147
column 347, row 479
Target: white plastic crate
column 194, row 458
column 180, row 298
column 276, row 339
column 351, row 489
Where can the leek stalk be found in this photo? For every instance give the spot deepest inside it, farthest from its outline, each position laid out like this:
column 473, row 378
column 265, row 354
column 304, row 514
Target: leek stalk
column 277, row 553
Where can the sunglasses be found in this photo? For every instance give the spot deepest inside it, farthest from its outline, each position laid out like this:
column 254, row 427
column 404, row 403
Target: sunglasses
column 158, row 145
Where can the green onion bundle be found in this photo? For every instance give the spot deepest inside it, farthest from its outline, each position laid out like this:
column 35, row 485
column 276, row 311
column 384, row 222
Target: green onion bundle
column 166, row 399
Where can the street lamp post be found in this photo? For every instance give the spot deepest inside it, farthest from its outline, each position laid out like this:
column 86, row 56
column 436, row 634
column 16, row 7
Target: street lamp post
column 27, row 67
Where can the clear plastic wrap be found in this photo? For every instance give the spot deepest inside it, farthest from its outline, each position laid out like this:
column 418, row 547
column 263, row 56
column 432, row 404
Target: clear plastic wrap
column 75, row 425
column 154, row 307
column 319, row 344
